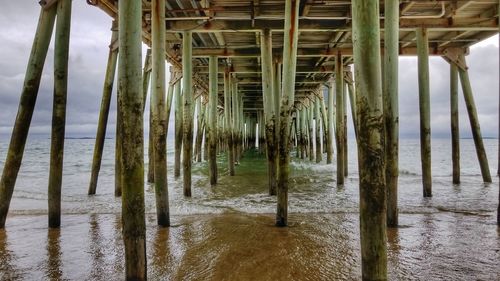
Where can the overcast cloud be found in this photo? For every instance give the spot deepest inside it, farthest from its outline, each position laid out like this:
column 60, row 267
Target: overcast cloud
column 90, row 34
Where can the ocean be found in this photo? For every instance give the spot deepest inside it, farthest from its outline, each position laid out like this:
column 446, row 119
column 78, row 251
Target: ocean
column 227, row 232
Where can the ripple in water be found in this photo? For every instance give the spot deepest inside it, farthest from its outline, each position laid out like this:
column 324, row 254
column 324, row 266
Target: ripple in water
column 227, row 232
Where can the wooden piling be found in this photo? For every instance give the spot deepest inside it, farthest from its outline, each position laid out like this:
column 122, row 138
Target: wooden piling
column 187, row 97
column 61, row 55
column 234, row 107
column 352, row 102
column 317, row 117
column 424, row 106
column 329, row 139
column 240, row 126
column 151, row 157
column 455, row 129
column 287, row 101
column 303, row 132
column 474, row 122
column 371, row 152
column 205, row 136
column 391, row 110
column 339, row 94
column 178, row 129
column 27, row 102
column 261, row 141
column 104, row 110
column 277, row 85
column 146, row 78
column 118, row 146
column 346, row 150
column 199, row 129
column 159, row 116
column 131, row 103
column 228, row 123
column 212, row 120
column 270, row 115
column 170, row 95
column 324, row 120
column 296, row 137
column 310, row 130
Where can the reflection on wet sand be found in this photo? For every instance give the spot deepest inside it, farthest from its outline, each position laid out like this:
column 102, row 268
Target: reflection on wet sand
column 235, row 246
column 8, row 271
column 96, row 249
column 53, row 267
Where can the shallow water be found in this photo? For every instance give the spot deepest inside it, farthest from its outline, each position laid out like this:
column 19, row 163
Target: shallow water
column 236, row 246
column 227, row 233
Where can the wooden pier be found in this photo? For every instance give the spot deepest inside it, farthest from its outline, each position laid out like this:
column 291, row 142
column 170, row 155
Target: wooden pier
column 275, row 72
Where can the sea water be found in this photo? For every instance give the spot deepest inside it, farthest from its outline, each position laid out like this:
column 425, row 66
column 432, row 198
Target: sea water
column 226, row 232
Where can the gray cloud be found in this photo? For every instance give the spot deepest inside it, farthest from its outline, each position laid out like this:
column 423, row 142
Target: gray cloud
column 90, row 36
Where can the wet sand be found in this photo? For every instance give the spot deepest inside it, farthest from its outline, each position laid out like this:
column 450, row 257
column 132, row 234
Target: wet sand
column 236, row 246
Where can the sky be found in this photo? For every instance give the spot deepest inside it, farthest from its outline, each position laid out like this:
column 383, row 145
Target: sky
column 90, row 36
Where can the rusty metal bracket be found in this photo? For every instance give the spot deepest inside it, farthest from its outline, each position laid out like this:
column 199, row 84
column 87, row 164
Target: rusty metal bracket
column 456, row 56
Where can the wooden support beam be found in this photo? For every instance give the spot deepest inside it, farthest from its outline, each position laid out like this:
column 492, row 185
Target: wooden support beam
column 405, row 7
column 352, row 101
column 146, row 78
column 187, row 95
column 324, row 118
column 326, row 25
column 303, row 132
column 61, row 56
column 178, row 115
column 234, row 113
column 305, row 8
column 27, row 102
column 227, row 120
column 424, row 106
column 339, row 94
column 455, row 129
column 254, row 52
column 310, row 131
column 251, row 69
column 170, row 95
column 241, row 126
column 346, row 148
column 391, row 110
column 159, row 118
column 212, row 122
column 270, row 116
column 372, row 191
column 330, row 133
column 200, row 109
column 287, row 97
column 131, row 139
column 118, row 146
column 317, row 117
column 455, row 7
column 297, row 133
column 474, row 123
column 104, row 111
